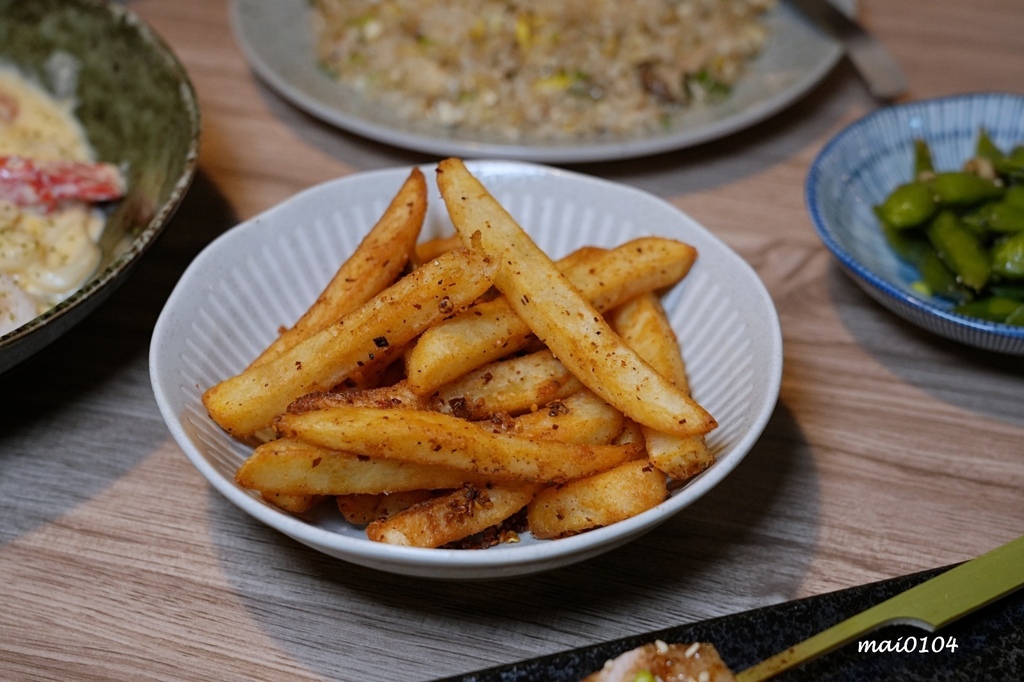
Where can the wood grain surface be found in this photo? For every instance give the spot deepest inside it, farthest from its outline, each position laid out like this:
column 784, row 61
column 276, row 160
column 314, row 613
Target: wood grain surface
column 890, row 451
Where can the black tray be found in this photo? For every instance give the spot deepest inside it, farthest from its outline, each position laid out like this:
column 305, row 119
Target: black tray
column 989, row 642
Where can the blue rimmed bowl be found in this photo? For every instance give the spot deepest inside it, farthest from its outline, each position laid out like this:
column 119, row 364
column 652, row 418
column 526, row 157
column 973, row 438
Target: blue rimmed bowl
column 858, row 168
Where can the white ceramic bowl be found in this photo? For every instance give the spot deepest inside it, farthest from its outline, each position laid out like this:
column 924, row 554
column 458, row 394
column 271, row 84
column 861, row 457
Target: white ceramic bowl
column 858, row 168
column 265, row 272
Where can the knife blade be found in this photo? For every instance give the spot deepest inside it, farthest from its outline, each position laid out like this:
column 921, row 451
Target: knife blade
column 880, row 72
column 929, row 605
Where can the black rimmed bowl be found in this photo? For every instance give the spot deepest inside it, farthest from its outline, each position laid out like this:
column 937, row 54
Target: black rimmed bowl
column 139, row 110
column 861, row 165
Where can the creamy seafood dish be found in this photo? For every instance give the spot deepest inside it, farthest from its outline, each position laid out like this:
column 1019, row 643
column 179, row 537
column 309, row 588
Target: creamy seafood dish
column 51, row 191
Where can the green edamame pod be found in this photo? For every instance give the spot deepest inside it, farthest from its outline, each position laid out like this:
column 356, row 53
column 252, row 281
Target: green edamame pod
column 996, row 216
column 993, row 308
column 960, row 249
column 1016, row 318
column 986, row 148
column 963, row 188
column 1008, row 290
column 937, row 279
column 1012, row 164
column 1008, row 257
column 923, row 165
column 909, row 245
column 908, row 205
column 1014, row 195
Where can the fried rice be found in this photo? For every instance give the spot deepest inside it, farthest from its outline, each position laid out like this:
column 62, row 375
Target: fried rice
column 539, row 69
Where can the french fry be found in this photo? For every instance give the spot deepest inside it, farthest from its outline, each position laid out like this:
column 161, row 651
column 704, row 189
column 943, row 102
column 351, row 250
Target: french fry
column 643, row 325
column 435, row 439
column 363, row 509
column 580, row 418
column 375, row 264
column 432, row 248
column 292, row 467
column 358, row 509
column 596, row 501
column 452, row 517
column 491, row 330
column 558, row 314
column 248, row 402
column 514, row 386
column 631, row 433
column 543, row 382
column 391, row 396
column 296, row 504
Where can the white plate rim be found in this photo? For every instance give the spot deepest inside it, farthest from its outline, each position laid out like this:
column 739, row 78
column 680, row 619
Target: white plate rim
column 458, row 564
column 272, row 71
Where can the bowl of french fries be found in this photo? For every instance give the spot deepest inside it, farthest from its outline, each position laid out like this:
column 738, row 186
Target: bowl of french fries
column 467, row 370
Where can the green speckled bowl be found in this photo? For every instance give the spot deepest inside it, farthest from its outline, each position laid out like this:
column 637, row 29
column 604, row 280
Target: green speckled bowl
column 138, row 108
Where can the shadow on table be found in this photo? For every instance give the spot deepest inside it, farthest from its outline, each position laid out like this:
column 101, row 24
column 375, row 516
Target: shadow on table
column 704, row 166
column 711, row 559
column 62, row 429
column 981, row 381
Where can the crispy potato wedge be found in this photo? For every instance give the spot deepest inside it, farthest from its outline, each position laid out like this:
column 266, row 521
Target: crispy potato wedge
column 363, row 509
column 292, row 467
column 436, row 439
column 376, row 263
column 596, row 501
column 643, row 325
column 394, row 395
column 580, row 418
column 296, row 504
column 631, row 433
column 510, row 386
column 569, row 412
column 558, row 314
column 442, row 520
column 288, row 467
column 491, row 330
column 248, row 402
column 432, row 248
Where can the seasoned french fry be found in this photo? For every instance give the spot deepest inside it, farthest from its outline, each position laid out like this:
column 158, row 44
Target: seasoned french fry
column 248, row 402
column 643, row 325
column 432, row 438
column 580, row 418
column 460, row 514
column 358, row 509
column 292, row 467
column 631, row 433
column 558, row 314
column 375, row 264
column 491, row 330
column 432, row 248
column 596, row 501
column 394, row 395
column 296, row 504
column 515, row 385
column 363, row 509
column 287, row 467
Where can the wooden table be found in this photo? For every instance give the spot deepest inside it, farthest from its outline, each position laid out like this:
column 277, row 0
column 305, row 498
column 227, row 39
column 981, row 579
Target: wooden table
column 890, row 451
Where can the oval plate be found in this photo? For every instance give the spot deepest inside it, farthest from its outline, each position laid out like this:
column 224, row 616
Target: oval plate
column 276, row 37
